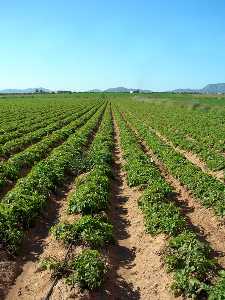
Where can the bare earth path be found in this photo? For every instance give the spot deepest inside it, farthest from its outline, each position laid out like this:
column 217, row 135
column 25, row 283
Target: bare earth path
column 137, row 269
column 192, row 157
column 33, row 283
column 202, row 220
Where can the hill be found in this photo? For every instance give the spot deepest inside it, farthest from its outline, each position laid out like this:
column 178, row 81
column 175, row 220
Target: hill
column 23, row 91
column 119, row 89
column 214, row 88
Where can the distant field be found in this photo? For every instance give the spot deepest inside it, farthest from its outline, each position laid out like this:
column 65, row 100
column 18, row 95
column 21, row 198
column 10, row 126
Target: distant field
column 203, row 99
column 112, row 196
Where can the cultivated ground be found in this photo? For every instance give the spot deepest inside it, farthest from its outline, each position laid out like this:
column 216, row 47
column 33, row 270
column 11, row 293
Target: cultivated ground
column 159, row 163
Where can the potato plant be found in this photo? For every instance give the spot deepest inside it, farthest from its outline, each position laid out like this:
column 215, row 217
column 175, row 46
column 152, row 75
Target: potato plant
column 22, row 205
column 186, row 256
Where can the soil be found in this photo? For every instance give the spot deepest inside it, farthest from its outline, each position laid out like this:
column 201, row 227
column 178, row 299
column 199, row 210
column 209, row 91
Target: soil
column 32, row 282
column 137, row 270
column 192, row 157
column 202, row 220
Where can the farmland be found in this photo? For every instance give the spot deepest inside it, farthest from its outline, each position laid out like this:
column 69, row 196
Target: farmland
column 112, row 196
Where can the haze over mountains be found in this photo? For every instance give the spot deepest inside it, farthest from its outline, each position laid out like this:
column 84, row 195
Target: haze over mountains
column 120, row 89
column 216, row 88
column 23, row 91
column 208, row 89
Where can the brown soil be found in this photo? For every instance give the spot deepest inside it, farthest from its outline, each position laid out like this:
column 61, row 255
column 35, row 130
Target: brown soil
column 10, row 184
column 136, row 266
column 137, row 271
column 192, row 157
column 26, row 280
column 202, row 220
column 33, row 283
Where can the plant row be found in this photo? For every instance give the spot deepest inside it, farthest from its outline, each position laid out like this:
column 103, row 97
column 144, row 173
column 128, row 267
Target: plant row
column 41, row 122
column 23, row 120
column 13, row 168
column 186, row 256
column 198, row 131
column 16, row 145
column 21, row 206
column 204, row 187
column 91, row 230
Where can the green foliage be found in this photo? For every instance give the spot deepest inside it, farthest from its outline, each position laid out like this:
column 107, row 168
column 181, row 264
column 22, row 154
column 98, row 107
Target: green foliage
column 59, row 269
column 138, row 166
column 26, row 200
column 217, row 292
column 91, row 196
column 190, row 259
column 161, row 215
column 89, row 270
column 95, row 231
column 92, row 192
column 13, row 167
column 204, row 187
column 186, row 256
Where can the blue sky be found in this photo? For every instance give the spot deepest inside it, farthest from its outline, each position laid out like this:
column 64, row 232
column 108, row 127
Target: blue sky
column 73, row 44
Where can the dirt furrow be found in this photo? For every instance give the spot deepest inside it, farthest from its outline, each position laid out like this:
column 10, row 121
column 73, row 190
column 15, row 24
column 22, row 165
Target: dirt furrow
column 201, row 219
column 27, row 281
column 33, row 283
column 192, row 157
column 137, row 269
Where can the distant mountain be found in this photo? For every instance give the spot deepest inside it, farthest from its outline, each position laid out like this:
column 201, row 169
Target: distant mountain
column 119, row 89
column 122, row 89
column 214, row 88
column 95, row 91
column 23, row 91
column 186, row 91
column 208, row 89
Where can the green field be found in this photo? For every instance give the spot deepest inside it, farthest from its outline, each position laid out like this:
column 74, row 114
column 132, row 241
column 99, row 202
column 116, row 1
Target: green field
column 65, row 161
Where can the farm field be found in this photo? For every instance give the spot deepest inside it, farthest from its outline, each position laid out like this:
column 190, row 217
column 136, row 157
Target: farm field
column 112, row 196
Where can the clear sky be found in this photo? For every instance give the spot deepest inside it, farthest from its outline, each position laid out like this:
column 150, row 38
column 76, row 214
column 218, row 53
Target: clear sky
column 74, row 44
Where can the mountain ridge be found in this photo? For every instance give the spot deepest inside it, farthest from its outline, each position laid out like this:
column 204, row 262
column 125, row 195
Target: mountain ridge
column 23, row 91
column 212, row 88
column 120, row 89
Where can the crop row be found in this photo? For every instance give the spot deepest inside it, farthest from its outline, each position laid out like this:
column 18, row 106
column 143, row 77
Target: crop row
column 22, row 123
column 18, row 144
column 20, row 113
column 41, row 121
column 13, row 121
column 13, row 168
column 186, row 256
column 204, row 187
column 196, row 131
column 90, row 230
column 24, row 202
column 213, row 159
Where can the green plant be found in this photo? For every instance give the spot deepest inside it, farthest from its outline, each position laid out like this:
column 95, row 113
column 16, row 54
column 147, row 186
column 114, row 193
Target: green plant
column 25, row 201
column 95, row 231
column 217, row 292
column 92, row 195
column 190, row 259
column 59, row 269
column 89, row 270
